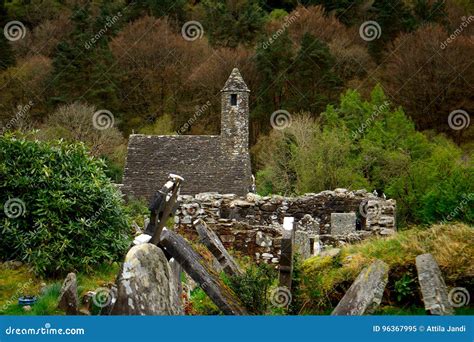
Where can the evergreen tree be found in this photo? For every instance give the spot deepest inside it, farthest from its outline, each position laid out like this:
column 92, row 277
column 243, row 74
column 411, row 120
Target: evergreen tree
column 274, row 58
column 231, row 24
column 430, row 11
column 173, row 9
column 6, row 55
column 82, row 62
column 313, row 78
column 393, row 17
column 346, row 11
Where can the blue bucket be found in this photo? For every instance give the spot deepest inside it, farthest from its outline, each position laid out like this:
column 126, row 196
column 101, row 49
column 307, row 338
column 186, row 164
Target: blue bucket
column 27, row 300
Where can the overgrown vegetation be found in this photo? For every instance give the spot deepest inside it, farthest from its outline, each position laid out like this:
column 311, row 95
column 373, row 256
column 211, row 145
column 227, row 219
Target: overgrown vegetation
column 368, row 144
column 253, row 286
column 325, row 280
column 62, row 213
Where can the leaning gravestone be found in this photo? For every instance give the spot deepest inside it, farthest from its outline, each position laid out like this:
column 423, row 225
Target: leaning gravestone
column 433, row 288
column 214, row 244
column 196, row 267
column 366, row 292
column 343, row 223
column 303, row 244
column 68, row 298
column 146, row 284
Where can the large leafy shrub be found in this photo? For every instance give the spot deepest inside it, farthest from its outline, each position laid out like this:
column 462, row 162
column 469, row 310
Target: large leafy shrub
column 68, row 216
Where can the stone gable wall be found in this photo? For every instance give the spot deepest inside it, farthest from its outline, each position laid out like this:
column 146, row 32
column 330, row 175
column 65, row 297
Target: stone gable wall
column 252, row 225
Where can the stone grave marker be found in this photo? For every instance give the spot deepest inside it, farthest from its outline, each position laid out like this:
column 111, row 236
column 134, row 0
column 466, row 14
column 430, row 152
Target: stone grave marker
column 343, row 223
column 433, row 288
column 303, row 244
column 68, row 298
column 215, row 246
column 146, row 284
column 366, row 292
column 196, row 267
column 176, row 269
column 286, row 257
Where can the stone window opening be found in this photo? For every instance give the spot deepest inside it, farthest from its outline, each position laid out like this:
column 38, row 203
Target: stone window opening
column 233, row 99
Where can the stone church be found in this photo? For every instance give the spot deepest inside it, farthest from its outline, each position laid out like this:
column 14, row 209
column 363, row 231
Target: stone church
column 208, row 163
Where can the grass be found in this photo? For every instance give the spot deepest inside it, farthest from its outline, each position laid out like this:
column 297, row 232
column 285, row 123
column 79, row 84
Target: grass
column 19, row 282
column 325, row 280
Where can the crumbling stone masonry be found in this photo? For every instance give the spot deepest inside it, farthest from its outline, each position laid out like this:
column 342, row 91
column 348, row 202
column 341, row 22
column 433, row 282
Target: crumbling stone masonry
column 252, row 225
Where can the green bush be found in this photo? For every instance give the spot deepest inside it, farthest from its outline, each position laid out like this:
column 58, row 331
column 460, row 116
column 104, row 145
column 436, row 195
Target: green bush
column 61, row 212
column 252, row 287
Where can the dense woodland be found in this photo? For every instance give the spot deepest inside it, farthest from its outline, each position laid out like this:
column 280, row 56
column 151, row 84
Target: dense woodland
column 370, row 114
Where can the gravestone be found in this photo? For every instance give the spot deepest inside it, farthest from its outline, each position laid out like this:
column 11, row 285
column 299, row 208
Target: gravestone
column 309, row 224
column 343, row 223
column 286, row 257
column 366, row 292
column 146, row 284
column 196, row 267
column 68, row 298
column 303, row 244
column 176, row 269
column 215, row 246
column 433, row 288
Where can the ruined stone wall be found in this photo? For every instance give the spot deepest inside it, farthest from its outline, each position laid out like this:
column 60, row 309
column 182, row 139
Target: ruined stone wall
column 252, row 225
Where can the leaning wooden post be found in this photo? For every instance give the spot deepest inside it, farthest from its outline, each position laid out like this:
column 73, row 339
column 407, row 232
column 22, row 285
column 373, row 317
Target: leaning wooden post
column 210, row 239
column 196, row 267
column 286, row 257
column 161, row 208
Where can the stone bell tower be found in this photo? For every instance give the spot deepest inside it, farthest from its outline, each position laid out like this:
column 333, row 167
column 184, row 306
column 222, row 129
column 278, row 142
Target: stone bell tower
column 235, row 114
column 235, row 132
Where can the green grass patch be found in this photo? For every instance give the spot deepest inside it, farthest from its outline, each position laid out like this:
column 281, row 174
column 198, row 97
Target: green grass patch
column 15, row 283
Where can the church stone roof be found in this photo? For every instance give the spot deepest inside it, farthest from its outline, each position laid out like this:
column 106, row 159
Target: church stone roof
column 199, row 159
column 235, row 82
